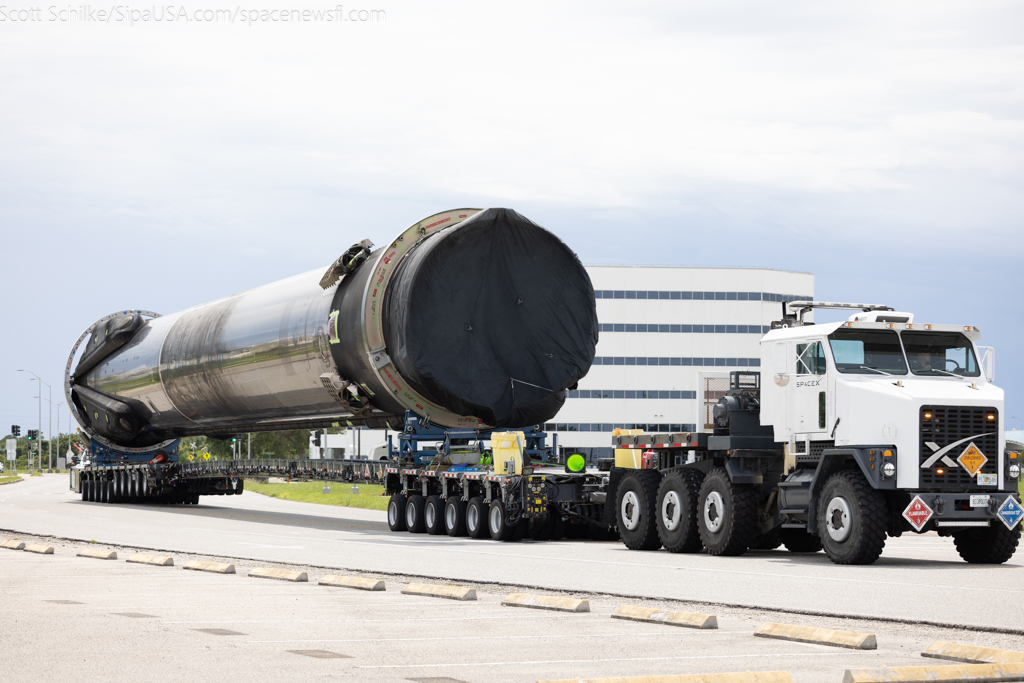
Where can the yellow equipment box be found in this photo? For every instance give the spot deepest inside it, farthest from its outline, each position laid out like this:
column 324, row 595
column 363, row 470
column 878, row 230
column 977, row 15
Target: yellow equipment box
column 507, row 447
column 628, row 457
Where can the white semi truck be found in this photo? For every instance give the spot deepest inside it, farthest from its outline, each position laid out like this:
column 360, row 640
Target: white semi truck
column 853, row 431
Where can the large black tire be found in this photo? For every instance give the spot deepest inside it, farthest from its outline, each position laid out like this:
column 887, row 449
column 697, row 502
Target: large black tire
column 396, row 512
column 433, row 515
column 677, row 511
column 455, row 516
column 851, row 519
column 414, row 513
column 106, row 490
column 768, row 541
column 727, row 514
column 476, row 518
column 636, row 510
column 993, row 545
column 800, row 541
column 87, row 490
column 497, row 522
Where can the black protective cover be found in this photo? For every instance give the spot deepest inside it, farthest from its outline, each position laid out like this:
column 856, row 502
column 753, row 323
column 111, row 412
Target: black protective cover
column 494, row 317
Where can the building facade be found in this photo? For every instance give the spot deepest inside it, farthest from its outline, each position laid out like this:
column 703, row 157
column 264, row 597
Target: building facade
column 668, row 335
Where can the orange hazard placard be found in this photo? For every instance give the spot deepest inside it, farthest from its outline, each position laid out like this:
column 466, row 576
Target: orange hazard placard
column 972, row 459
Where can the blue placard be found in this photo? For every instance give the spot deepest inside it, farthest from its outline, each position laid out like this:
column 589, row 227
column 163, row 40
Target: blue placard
column 1010, row 512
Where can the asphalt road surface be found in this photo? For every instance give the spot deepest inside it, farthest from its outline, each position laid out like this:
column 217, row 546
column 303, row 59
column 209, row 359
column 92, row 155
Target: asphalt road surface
column 918, row 578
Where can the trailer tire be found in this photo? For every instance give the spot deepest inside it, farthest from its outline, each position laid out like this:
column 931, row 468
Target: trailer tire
column 851, row 519
column 396, row 512
column 433, row 515
column 455, row 516
column 497, row 521
column 727, row 514
column 476, row 518
column 993, row 545
column 87, row 489
column 677, row 511
column 800, row 541
column 143, row 485
column 636, row 510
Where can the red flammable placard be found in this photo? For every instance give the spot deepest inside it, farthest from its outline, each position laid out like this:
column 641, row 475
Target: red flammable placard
column 918, row 513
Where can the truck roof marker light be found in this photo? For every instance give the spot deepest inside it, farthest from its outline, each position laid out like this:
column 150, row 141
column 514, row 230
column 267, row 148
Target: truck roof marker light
column 991, row 417
column 969, row 328
column 890, row 326
column 910, row 327
column 928, row 327
column 927, row 416
column 887, row 453
column 940, row 471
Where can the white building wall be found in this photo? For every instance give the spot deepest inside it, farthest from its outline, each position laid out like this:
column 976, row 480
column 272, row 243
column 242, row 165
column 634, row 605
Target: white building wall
column 709, row 322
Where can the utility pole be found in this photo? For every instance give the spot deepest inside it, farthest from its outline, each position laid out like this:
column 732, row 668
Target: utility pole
column 248, row 454
column 40, row 397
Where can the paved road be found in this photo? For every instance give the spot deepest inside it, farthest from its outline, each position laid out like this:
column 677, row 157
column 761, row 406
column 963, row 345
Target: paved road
column 917, row 578
column 68, row 618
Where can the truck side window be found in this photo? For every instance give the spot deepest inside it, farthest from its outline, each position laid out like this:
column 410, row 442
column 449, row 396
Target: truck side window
column 810, row 359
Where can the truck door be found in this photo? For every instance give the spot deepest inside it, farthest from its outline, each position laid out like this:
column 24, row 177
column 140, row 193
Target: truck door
column 808, row 399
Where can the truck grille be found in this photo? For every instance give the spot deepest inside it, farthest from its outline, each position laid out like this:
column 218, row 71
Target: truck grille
column 949, row 424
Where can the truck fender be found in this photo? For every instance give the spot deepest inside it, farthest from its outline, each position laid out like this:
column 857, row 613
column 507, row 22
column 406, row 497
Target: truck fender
column 836, row 459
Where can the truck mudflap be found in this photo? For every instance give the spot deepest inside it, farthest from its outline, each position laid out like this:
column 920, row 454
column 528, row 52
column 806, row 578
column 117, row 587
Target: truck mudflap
column 950, row 512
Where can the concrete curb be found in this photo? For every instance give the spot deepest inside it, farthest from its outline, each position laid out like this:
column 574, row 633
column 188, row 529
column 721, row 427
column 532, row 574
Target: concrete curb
column 546, row 602
column 215, row 567
column 981, row 673
column 13, row 545
column 97, row 553
column 450, row 592
column 660, row 616
column 356, row 582
column 741, row 677
column 971, row 654
column 39, row 548
column 820, row 636
column 156, row 560
column 279, row 574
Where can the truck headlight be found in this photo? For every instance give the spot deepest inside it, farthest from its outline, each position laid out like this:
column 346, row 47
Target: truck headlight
column 1013, row 470
column 889, row 469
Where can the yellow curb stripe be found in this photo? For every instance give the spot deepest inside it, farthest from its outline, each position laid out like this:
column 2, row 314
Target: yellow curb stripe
column 981, row 673
column 450, row 592
column 820, row 636
column 356, row 582
column 660, row 616
column 741, row 677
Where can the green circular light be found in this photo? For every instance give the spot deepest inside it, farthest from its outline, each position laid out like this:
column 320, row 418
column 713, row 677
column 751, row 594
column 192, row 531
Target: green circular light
column 576, row 463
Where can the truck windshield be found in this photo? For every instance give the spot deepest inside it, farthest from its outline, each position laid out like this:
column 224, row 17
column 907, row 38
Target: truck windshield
column 867, row 352
column 939, row 353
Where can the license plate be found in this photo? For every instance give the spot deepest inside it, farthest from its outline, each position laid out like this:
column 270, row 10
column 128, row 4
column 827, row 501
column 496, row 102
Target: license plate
column 979, row 501
column 987, row 480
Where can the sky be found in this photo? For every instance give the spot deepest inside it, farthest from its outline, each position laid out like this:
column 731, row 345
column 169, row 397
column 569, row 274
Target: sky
column 154, row 163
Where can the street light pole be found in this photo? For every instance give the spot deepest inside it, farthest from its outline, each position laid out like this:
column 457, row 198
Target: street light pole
column 41, row 383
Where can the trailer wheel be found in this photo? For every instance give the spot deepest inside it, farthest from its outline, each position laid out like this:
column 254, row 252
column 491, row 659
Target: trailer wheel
column 993, row 545
column 414, row 513
column 497, row 524
column 143, row 485
column 476, row 518
column 106, row 489
column 455, row 516
column 800, row 541
column 433, row 515
column 396, row 512
column 727, row 514
column 851, row 519
column 636, row 510
column 87, row 489
column 677, row 511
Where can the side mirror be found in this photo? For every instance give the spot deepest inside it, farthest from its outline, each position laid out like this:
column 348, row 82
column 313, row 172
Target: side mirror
column 988, row 362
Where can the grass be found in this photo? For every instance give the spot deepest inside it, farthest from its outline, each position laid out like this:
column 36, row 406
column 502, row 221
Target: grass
column 6, row 478
column 369, row 497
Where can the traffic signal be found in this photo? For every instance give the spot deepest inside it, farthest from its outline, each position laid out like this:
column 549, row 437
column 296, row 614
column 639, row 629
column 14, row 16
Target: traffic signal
column 15, row 430
column 316, row 438
column 31, row 435
column 234, row 439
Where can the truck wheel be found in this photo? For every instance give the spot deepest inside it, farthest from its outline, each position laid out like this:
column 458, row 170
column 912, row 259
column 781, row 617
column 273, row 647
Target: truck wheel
column 993, row 545
column 727, row 514
column 677, row 511
column 396, row 512
column 800, row 541
column 455, row 516
column 497, row 521
column 768, row 541
column 476, row 518
column 106, row 487
column 636, row 510
column 851, row 519
column 414, row 513
column 433, row 515
column 87, row 490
